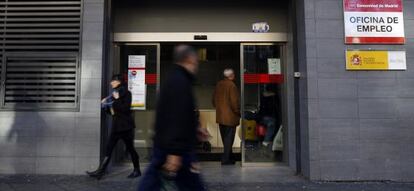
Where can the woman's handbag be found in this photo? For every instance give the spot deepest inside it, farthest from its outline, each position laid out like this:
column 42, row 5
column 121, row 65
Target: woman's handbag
column 260, row 130
column 106, row 104
column 278, row 140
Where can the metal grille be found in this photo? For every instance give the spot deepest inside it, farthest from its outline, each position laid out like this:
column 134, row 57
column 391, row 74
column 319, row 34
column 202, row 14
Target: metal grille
column 39, row 53
column 41, row 81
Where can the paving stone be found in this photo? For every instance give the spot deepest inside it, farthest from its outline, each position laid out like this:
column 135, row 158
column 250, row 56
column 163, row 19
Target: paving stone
column 225, row 178
column 5, row 187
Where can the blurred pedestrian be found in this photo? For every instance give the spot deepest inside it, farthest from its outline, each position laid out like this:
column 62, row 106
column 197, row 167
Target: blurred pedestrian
column 226, row 100
column 119, row 106
column 176, row 129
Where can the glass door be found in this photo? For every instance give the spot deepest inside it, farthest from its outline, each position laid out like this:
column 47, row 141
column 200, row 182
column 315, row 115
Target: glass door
column 261, row 93
column 140, row 63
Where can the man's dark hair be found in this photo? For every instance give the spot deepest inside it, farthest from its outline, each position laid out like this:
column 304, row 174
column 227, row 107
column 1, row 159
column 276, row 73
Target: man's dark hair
column 182, row 52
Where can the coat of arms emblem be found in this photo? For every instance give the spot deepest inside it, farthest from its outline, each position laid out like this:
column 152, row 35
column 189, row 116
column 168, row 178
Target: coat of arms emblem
column 356, row 60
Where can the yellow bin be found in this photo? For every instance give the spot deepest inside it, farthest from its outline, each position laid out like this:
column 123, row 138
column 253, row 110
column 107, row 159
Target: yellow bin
column 250, row 127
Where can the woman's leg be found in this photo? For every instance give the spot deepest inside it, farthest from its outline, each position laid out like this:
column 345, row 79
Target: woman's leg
column 128, row 139
column 113, row 139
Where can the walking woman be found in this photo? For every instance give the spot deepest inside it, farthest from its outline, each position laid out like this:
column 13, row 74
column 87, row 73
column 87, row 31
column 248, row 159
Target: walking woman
column 119, row 106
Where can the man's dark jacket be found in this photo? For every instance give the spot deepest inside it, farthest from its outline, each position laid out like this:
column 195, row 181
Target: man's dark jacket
column 122, row 119
column 176, row 121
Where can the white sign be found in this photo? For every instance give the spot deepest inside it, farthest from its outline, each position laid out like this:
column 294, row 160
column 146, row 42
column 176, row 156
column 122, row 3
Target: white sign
column 137, row 87
column 274, row 66
column 136, row 61
column 260, row 27
column 374, row 22
column 397, row 60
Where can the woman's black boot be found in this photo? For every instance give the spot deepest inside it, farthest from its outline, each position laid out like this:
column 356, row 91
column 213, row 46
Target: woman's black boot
column 100, row 172
column 136, row 173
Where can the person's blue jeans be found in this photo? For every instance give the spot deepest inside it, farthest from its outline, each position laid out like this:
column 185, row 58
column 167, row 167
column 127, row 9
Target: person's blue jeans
column 270, row 124
column 185, row 179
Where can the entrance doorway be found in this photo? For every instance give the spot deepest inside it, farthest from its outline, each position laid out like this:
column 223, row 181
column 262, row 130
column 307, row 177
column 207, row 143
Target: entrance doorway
column 259, row 69
column 214, row 58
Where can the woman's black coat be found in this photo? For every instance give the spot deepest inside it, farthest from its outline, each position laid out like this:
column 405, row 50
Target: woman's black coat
column 122, row 118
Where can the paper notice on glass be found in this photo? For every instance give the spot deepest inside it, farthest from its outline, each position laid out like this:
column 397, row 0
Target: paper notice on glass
column 136, row 61
column 138, row 88
column 274, row 66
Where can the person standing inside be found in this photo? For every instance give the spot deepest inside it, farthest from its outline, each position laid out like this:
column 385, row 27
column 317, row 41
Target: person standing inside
column 176, row 129
column 119, row 106
column 226, row 100
column 268, row 113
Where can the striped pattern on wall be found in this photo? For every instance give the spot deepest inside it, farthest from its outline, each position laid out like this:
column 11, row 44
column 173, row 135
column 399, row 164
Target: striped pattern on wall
column 39, row 50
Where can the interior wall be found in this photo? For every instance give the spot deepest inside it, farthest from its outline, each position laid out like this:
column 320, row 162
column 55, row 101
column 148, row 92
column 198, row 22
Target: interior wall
column 191, row 16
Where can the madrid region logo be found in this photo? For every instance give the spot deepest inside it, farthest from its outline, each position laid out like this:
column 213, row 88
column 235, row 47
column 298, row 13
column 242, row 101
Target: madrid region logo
column 353, row 5
column 356, row 60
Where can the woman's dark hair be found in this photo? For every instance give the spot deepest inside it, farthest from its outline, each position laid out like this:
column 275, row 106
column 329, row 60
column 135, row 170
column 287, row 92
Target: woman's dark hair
column 118, row 77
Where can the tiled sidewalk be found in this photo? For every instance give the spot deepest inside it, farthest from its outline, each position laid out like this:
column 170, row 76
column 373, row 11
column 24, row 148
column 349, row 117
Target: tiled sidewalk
column 218, row 179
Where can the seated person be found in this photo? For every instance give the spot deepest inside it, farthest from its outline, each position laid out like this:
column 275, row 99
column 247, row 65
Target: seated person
column 268, row 112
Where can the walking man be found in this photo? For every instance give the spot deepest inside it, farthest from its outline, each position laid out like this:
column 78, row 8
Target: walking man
column 176, row 129
column 226, row 100
column 119, row 106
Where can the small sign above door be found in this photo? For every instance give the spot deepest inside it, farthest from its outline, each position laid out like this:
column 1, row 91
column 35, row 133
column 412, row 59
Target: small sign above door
column 260, row 27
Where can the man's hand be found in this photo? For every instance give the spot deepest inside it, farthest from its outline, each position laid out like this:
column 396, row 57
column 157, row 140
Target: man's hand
column 203, row 134
column 195, row 168
column 103, row 100
column 173, row 163
column 115, row 95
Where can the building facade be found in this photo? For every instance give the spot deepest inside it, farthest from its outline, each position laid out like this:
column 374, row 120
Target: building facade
column 358, row 124
column 339, row 125
column 57, row 141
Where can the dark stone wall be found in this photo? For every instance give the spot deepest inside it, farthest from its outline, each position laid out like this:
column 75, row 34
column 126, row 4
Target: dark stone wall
column 359, row 123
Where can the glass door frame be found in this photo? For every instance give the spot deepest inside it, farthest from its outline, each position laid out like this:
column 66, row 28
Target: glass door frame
column 242, row 107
